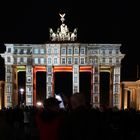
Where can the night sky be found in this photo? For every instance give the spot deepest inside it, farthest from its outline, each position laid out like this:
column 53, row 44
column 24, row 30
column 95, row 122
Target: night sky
column 98, row 21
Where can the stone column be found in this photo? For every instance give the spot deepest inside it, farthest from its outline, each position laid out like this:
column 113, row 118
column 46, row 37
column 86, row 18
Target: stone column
column 96, row 86
column 15, row 86
column 125, row 98
column 92, row 73
column 8, row 86
column 34, row 86
column 111, row 89
column 49, row 82
column 116, row 87
column 75, row 78
column 1, row 94
column 138, row 98
column 29, row 86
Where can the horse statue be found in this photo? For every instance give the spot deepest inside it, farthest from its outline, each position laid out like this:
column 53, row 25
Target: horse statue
column 52, row 35
column 74, row 35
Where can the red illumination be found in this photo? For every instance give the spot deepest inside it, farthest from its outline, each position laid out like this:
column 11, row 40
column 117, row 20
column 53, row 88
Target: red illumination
column 63, row 69
column 40, row 68
column 85, row 69
column 34, row 86
column 57, row 69
column 36, row 69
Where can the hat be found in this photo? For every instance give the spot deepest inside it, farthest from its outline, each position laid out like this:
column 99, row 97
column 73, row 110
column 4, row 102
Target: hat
column 51, row 101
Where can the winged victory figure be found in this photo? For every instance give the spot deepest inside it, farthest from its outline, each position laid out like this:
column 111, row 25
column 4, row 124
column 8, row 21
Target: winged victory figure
column 62, row 17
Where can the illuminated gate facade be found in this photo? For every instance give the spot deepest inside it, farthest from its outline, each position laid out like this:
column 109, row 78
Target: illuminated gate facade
column 62, row 54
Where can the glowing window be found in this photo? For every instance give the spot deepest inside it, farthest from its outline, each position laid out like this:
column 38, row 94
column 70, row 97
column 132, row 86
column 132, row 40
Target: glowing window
column 76, row 50
column 41, row 60
column 69, row 60
column 36, row 51
column 82, row 60
column 55, row 51
column 49, row 60
column 69, row 51
column 42, row 51
column 76, row 60
column 55, row 60
column 63, row 50
column 36, row 60
column 82, row 51
column 63, row 60
column 49, row 50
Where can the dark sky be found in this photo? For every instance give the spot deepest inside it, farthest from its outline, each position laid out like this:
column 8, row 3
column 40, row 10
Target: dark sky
column 98, row 21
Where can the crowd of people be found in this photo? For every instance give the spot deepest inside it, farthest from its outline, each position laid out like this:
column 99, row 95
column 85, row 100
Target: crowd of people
column 76, row 121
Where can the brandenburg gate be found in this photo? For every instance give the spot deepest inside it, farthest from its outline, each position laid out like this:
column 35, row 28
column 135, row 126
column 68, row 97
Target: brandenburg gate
column 62, row 54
